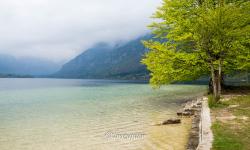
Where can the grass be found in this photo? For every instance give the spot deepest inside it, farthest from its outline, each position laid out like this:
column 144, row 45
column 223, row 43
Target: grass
column 224, row 138
column 232, row 134
column 213, row 104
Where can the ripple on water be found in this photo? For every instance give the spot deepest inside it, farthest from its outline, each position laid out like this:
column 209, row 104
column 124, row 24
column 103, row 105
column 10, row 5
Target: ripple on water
column 79, row 117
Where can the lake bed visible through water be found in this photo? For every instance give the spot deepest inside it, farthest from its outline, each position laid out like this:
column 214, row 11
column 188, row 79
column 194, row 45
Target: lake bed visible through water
column 64, row 114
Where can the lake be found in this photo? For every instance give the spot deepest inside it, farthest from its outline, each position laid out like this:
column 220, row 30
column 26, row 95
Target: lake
column 67, row 114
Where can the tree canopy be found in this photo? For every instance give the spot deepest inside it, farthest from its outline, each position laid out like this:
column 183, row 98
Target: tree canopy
column 198, row 37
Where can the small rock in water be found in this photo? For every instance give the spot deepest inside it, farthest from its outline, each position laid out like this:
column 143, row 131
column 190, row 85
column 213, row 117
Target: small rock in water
column 179, row 113
column 196, row 106
column 189, row 109
column 187, row 113
column 199, row 103
column 171, row 121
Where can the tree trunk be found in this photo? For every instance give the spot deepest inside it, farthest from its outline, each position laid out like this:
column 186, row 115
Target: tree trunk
column 219, row 78
column 247, row 80
column 223, row 85
column 210, row 86
column 216, row 80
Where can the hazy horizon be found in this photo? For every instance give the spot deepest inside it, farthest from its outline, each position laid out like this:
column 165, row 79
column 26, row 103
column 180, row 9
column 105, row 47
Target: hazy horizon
column 60, row 30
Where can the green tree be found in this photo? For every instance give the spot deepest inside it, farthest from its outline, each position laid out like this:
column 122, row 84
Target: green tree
column 199, row 37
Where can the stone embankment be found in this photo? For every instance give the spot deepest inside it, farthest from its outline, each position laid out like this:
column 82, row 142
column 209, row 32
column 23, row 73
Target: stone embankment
column 200, row 137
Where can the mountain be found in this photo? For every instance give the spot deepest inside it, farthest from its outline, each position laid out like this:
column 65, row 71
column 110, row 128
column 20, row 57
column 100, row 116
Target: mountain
column 108, row 62
column 26, row 66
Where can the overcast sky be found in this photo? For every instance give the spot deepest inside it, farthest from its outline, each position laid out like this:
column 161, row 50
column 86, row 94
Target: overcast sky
column 60, row 29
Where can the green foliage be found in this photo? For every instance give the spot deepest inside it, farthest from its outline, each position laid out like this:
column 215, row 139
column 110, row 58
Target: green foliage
column 197, row 35
column 168, row 66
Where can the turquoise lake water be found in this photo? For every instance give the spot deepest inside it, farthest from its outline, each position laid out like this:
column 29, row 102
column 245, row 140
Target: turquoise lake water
column 60, row 114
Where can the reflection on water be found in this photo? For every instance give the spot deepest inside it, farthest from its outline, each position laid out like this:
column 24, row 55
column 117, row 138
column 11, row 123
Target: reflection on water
column 50, row 114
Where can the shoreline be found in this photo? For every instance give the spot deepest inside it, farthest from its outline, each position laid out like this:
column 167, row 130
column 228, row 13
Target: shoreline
column 200, row 134
column 205, row 132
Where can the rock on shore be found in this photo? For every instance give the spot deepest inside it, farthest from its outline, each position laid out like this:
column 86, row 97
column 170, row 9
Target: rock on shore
column 190, row 108
column 171, row 121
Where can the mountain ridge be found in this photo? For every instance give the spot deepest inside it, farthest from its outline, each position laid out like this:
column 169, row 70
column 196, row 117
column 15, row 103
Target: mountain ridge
column 103, row 61
column 26, row 66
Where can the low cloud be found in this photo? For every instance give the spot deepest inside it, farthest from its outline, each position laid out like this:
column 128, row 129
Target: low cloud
column 60, row 29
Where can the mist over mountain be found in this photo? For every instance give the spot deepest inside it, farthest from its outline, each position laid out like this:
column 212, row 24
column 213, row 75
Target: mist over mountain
column 103, row 61
column 26, row 66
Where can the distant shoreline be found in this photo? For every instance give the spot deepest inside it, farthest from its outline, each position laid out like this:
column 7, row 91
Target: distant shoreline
column 15, row 76
column 104, row 80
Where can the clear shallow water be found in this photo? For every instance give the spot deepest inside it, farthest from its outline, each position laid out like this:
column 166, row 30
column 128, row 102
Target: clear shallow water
column 54, row 114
